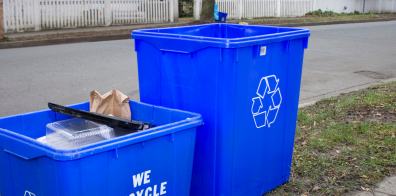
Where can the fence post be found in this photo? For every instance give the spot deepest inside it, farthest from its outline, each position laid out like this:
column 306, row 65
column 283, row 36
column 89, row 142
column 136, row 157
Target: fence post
column 107, row 6
column 1, row 20
column 240, row 9
column 171, row 14
column 36, row 13
column 278, row 9
column 175, row 14
column 379, row 6
column 313, row 5
column 197, row 10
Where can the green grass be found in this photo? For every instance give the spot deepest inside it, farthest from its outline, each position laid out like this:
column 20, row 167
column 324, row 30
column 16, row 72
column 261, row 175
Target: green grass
column 186, row 18
column 316, row 18
column 319, row 12
column 333, row 155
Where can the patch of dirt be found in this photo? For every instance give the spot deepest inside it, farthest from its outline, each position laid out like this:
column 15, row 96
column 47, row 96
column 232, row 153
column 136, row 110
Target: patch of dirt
column 366, row 113
column 389, row 89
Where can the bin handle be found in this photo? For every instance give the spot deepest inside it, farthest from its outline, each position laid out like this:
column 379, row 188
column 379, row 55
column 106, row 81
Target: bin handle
column 17, row 147
column 176, row 51
column 13, row 153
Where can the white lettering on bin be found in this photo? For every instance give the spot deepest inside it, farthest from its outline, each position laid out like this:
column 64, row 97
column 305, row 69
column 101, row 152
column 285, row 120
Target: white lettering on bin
column 163, row 188
column 147, row 191
column 146, row 177
column 137, row 179
column 140, row 193
column 155, row 191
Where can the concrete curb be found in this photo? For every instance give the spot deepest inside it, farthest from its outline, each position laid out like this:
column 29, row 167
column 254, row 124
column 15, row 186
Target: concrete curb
column 47, row 42
column 311, row 101
column 20, row 44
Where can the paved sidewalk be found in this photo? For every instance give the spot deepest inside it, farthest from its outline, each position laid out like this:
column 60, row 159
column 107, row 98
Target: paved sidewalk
column 93, row 29
column 385, row 188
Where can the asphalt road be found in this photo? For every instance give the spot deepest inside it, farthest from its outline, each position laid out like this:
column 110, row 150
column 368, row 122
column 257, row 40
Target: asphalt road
column 65, row 74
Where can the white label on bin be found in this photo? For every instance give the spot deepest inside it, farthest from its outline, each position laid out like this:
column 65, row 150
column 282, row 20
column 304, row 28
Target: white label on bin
column 263, row 50
column 27, row 193
column 266, row 106
column 144, row 177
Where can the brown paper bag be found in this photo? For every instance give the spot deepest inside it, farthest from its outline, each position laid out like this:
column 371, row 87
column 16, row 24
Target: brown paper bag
column 112, row 103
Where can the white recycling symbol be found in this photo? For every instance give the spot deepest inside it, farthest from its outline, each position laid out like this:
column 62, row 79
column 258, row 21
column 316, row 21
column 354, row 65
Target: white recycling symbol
column 27, row 193
column 265, row 111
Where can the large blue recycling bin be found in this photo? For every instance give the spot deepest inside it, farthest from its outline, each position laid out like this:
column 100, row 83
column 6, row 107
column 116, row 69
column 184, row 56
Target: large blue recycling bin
column 156, row 161
column 245, row 81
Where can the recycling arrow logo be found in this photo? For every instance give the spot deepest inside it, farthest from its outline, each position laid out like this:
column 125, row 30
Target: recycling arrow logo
column 27, row 193
column 266, row 106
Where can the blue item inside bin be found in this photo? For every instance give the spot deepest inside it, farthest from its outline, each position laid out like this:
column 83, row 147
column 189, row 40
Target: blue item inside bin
column 222, row 17
column 245, row 81
column 216, row 12
column 110, row 167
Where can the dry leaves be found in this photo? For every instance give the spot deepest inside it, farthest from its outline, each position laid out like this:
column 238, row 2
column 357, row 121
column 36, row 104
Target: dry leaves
column 316, row 188
column 365, row 189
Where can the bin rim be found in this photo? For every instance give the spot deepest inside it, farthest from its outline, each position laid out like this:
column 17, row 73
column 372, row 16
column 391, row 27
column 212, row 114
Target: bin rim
column 103, row 146
column 222, row 42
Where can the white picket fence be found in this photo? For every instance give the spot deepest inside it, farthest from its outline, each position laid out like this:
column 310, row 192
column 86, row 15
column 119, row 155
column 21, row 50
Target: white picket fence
column 373, row 6
column 240, row 9
column 24, row 15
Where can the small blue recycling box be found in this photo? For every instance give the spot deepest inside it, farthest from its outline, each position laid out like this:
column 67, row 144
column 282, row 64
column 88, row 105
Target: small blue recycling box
column 245, row 81
column 156, row 161
column 222, row 17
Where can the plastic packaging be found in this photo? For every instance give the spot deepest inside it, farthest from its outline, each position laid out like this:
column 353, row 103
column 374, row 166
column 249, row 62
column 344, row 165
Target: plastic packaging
column 74, row 133
column 216, row 12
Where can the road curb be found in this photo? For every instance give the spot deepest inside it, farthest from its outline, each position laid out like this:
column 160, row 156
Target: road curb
column 47, row 42
column 95, row 38
column 312, row 100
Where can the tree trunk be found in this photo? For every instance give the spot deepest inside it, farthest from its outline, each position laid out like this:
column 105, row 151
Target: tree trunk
column 207, row 13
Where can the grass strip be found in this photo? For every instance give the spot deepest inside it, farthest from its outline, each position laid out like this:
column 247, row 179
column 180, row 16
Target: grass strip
column 345, row 143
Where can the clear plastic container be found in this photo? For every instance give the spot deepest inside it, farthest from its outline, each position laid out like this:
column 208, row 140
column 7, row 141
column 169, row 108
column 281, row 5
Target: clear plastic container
column 74, row 133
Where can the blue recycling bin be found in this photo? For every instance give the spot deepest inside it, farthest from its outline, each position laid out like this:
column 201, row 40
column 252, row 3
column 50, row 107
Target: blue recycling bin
column 222, row 17
column 155, row 161
column 245, row 81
